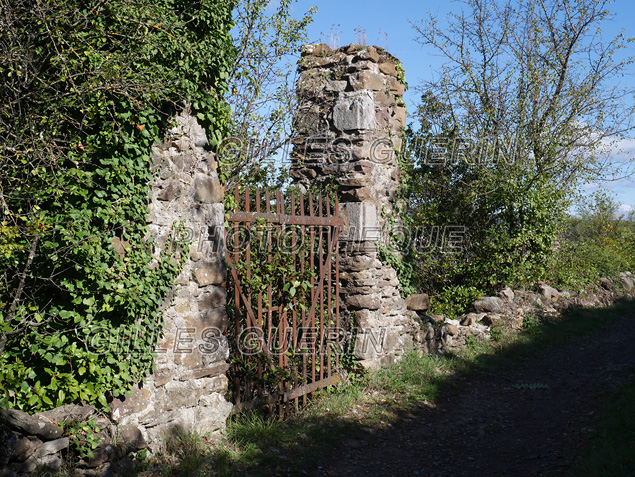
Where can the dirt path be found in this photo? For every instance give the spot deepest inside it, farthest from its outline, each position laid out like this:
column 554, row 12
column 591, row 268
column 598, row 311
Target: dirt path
column 493, row 425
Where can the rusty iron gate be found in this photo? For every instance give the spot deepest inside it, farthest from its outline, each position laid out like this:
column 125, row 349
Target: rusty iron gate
column 285, row 331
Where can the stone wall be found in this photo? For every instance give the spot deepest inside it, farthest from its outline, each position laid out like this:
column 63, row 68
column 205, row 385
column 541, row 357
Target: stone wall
column 188, row 389
column 349, row 124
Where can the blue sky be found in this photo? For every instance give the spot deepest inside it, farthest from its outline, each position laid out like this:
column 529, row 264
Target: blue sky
column 388, row 23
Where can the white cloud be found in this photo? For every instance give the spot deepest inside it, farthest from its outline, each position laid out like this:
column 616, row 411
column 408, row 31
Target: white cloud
column 625, row 208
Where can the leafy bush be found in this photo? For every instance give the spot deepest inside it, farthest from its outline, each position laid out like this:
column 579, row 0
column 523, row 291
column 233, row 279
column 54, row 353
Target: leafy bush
column 454, row 301
column 600, row 242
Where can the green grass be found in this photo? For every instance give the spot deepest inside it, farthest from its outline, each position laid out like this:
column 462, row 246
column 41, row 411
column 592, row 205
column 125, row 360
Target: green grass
column 256, row 445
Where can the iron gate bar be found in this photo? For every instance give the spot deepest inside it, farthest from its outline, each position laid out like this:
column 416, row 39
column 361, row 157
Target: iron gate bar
column 285, row 219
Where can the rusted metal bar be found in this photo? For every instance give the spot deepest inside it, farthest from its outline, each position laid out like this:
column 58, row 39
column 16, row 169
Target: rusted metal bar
column 285, row 219
column 288, row 395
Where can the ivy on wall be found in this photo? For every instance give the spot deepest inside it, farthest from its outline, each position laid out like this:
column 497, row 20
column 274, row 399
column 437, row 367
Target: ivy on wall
column 86, row 89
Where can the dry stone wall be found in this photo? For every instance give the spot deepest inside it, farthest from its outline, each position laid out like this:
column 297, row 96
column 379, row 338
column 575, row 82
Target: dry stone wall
column 349, row 124
column 187, row 390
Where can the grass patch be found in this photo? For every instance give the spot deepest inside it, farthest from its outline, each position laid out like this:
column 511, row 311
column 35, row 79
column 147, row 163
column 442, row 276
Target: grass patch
column 611, row 452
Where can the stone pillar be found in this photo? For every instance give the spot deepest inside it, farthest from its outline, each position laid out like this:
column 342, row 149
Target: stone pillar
column 349, row 124
column 188, row 387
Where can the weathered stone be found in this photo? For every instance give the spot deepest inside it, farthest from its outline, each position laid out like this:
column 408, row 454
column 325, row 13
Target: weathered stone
column 396, row 87
column 25, row 448
column 369, row 53
column 208, row 189
column 216, row 318
column 321, row 49
column 358, row 195
column 360, row 221
column 32, row 425
column 210, row 273
column 180, row 395
column 138, row 401
column 172, row 190
column 50, row 462
column 606, row 283
column 388, row 68
column 355, row 112
column 491, row 319
column 384, row 100
column 627, row 282
column 214, row 298
column 369, row 302
column 367, row 80
column 213, row 413
column 67, row 413
column 51, row 447
column 418, row 302
column 195, row 253
column 471, row 318
column 206, row 372
column 507, row 294
column 489, row 304
column 120, row 246
column 451, row 330
column 337, row 86
column 181, row 144
column 548, row 293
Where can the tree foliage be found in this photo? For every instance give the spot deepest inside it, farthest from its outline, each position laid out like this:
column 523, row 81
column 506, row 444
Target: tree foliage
column 522, row 113
column 86, row 89
column 267, row 38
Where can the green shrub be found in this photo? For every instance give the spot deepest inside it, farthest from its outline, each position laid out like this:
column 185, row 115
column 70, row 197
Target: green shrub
column 454, row 301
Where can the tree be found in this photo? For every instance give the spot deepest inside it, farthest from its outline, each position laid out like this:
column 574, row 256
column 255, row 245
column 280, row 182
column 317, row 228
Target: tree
column 525, row 109
column 262, row 93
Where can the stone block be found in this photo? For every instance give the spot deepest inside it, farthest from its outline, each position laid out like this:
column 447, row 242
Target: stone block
column 400, row 117
column 451, row 330
column 208, row 189
column 28, row 424
column 359, row 194
column 26, row 446
column 489, row 304
column 367, row 80
column 418, row 302
column 388, row 68
column 356, row 263
column 360, row 221
column 321, row 49
column 506, row 294
column 336, row 86
column 210, row 272
column 216, row 318
column 51, row 447
column 384, row 100
column 213, row 298
column 396, row 87
column 355, row 112
column 213, row 413
column 368, row 302
column 137, row 402
column 369, row 53
column 180, row 395
column 490, row 319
